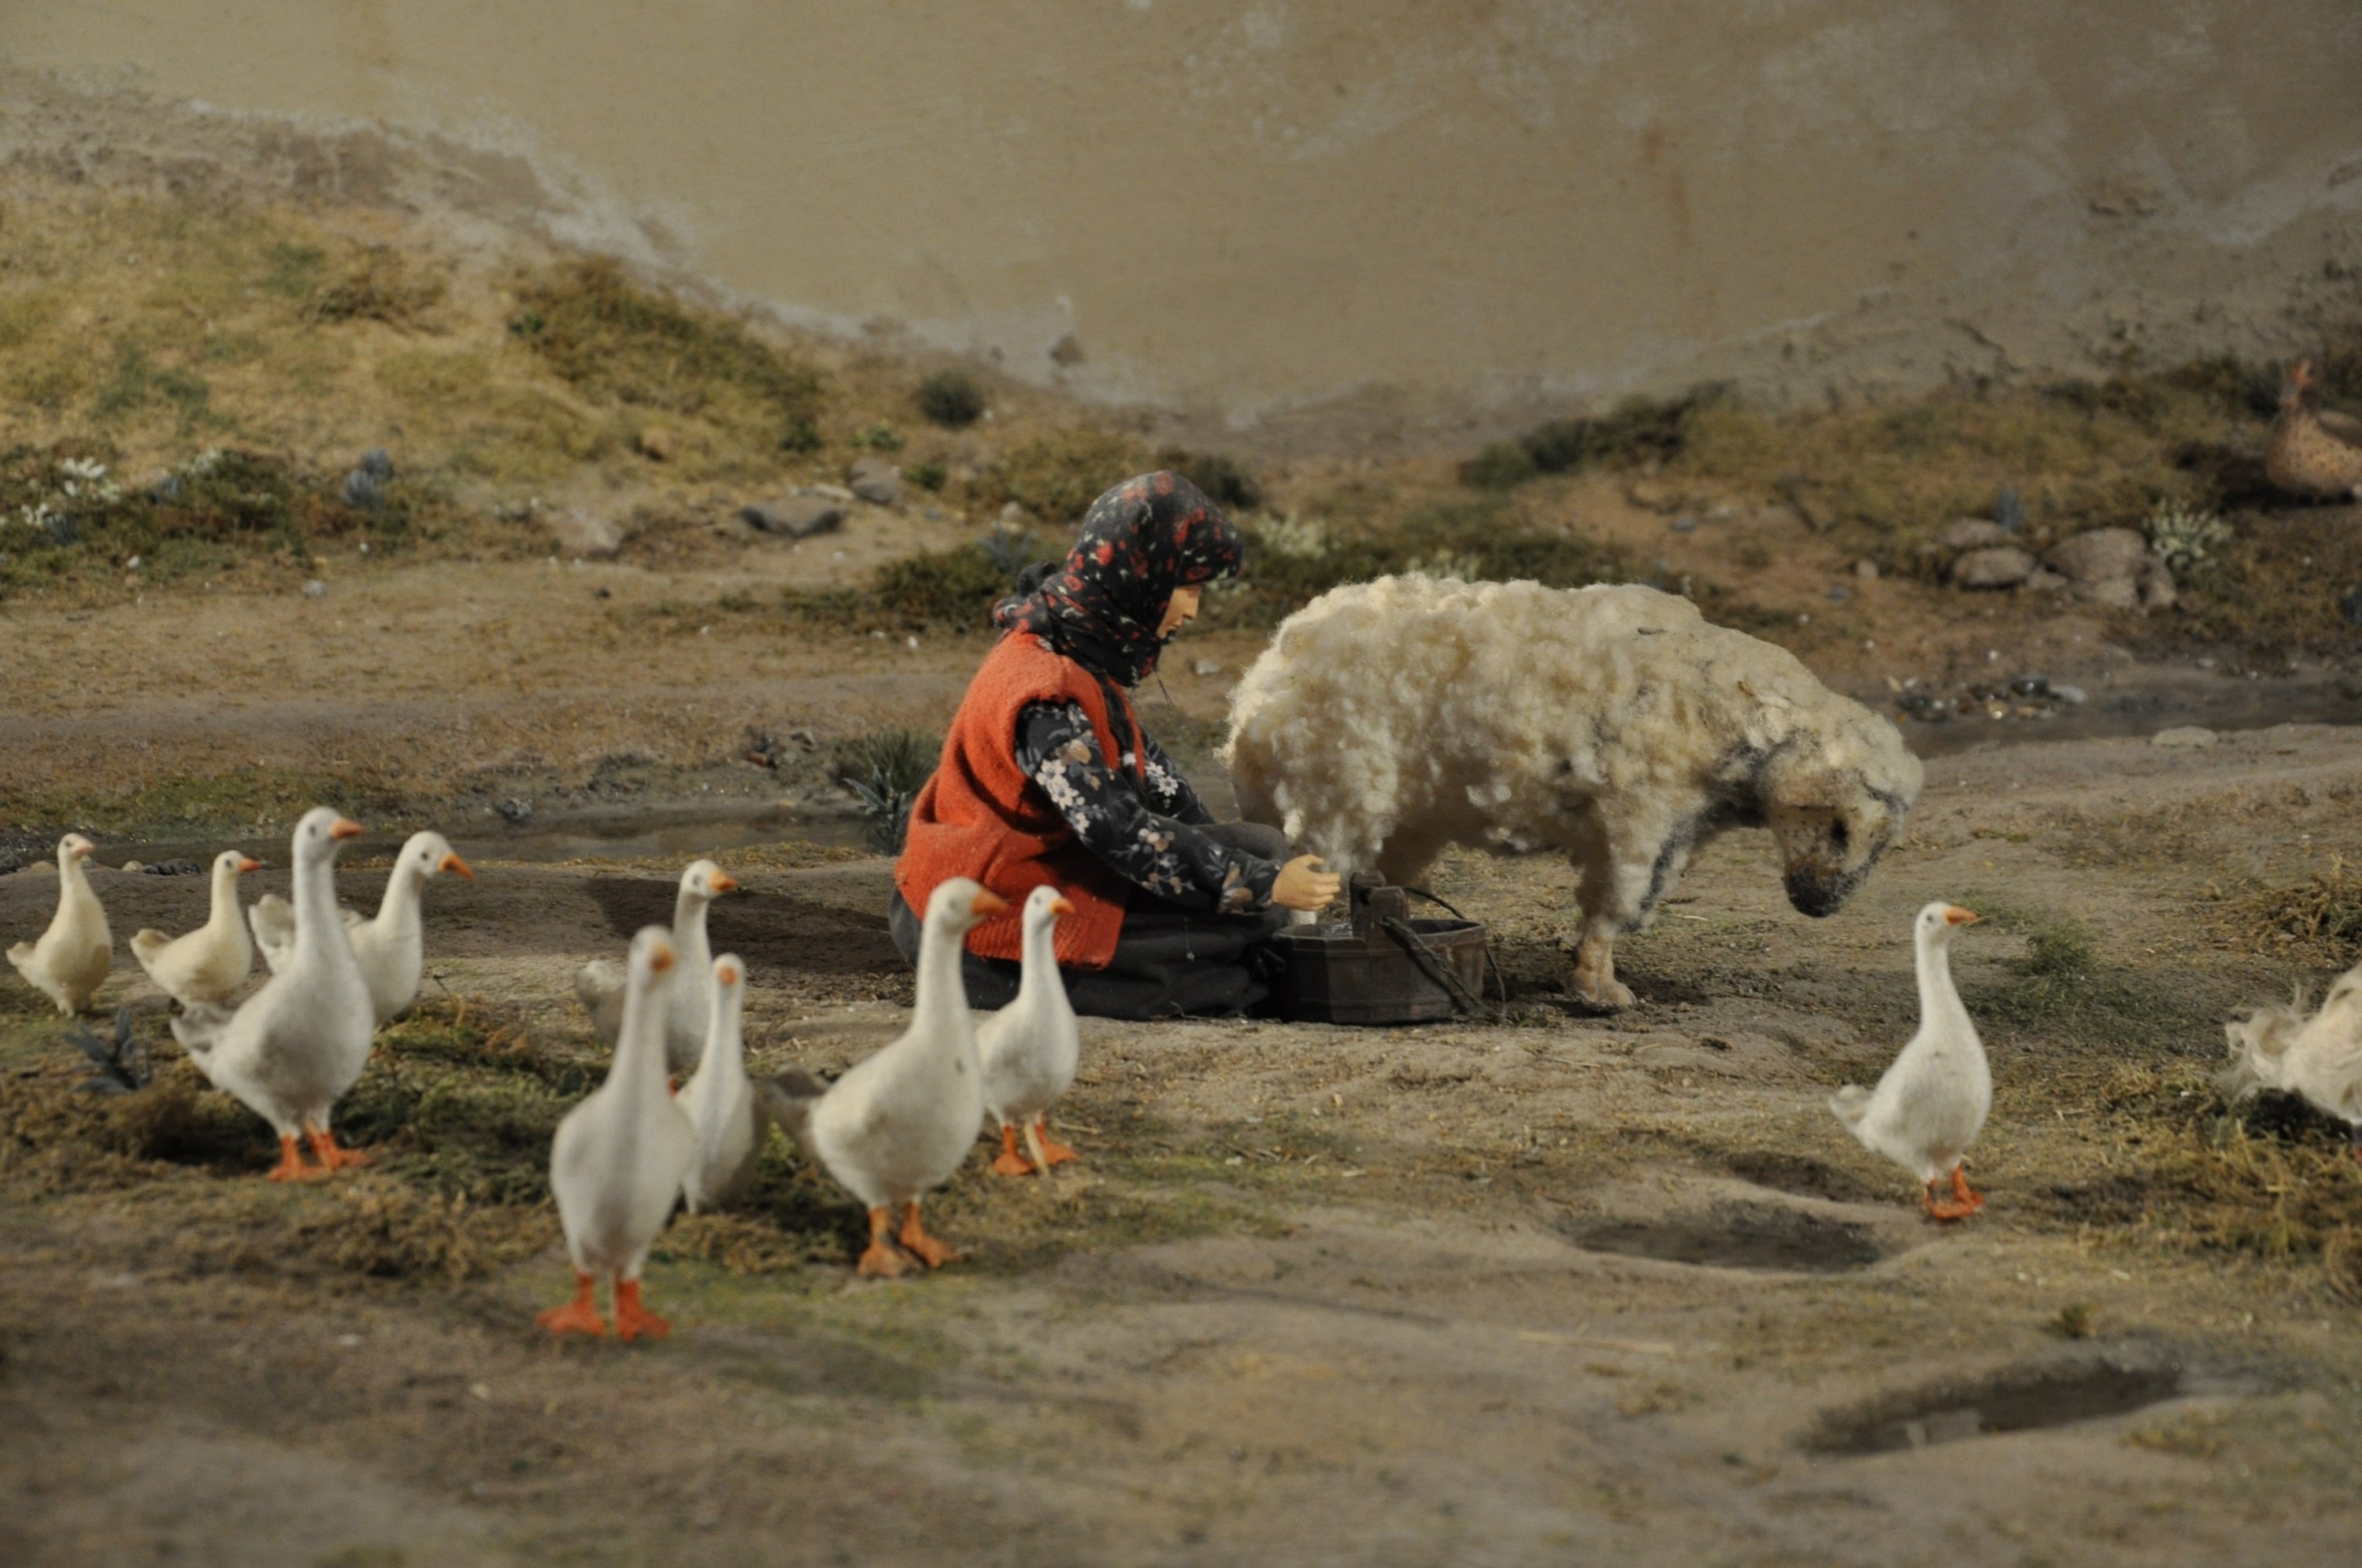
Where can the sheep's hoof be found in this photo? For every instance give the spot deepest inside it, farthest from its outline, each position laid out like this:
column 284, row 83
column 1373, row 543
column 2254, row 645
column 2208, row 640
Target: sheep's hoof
column 1614, row 996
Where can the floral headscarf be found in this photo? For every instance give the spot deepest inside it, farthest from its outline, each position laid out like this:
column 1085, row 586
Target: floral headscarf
column 1140, row 540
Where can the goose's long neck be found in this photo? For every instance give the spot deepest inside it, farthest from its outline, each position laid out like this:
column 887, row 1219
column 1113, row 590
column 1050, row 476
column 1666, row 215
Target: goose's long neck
column 942, row 1004
column 640, row 1066
column 1937, row 999
column 318, row 928
column 725, row 1052
column 1038, row 980
column 225, row 916
column 688, row 928
column 73, row 880
column 399, row 907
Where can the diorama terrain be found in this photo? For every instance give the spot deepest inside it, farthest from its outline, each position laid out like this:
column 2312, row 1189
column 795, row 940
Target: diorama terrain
column 1486, row 1291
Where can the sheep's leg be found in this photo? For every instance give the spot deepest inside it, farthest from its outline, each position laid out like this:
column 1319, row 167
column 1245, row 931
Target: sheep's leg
column 1594, row 973
column 1620, row 867
column 1594, row 949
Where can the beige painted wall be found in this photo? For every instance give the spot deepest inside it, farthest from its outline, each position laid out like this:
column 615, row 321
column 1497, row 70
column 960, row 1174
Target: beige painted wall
column 1256, row 207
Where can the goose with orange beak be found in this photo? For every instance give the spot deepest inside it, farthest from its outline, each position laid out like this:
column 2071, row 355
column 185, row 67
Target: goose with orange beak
column 600, row 984
column 898, row 1124
column 1933, row 1101
column 292, row 1048
column 206, row 966
column 616, row 1164
column 719, row 1100
column 70, row 960
column 1031, row 1048
column 391, row 948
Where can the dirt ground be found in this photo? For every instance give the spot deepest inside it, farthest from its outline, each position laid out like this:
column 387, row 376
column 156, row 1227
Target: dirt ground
column 1466, row 1292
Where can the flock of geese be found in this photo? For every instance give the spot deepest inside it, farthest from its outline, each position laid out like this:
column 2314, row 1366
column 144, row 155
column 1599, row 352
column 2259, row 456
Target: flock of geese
column 896, row 1125
column 892, row 1129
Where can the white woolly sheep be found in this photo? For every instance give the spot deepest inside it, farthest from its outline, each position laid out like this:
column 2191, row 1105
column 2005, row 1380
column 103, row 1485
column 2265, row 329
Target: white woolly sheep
column 1389, row 719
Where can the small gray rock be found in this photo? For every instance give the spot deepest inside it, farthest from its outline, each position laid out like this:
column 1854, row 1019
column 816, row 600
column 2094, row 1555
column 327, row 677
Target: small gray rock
column 875, row 481
column 1684, row 525
column 1974, row 534
column 365, row 490
column 2113, row 567
column 1208, row 666
column 2184, row 738
column 1866, row 570
column 2073, row 696
column 2045, row 580
column 315, row 588
column 2099, row 554
column 794, row 516
column 580, row 532
column 517, row 808
column 2031, row 686
column 2002, row 566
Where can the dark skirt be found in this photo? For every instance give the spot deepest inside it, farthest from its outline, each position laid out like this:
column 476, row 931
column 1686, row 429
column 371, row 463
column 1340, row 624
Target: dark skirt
column 1168, row 962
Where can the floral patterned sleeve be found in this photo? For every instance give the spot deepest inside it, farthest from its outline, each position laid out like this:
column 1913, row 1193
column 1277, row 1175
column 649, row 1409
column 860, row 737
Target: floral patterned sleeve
column 1159, row 850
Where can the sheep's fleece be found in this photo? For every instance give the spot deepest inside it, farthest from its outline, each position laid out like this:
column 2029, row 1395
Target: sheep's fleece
column 1389, row 719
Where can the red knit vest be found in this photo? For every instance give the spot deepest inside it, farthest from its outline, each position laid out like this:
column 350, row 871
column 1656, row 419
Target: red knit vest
column 980, row 816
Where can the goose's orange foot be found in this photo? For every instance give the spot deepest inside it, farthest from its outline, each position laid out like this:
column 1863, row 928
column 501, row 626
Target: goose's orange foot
column 632, row 1320
column 1053, row 1151
column 332, row 1156
column 291, row 1165
column 1012, row 1160
column 1961, row 1193
column 1949, row 1208
column 914, row 1236
column 580, row 1316
column 882, row 1260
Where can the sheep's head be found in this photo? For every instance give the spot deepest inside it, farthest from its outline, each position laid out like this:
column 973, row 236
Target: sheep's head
column 1834, row 822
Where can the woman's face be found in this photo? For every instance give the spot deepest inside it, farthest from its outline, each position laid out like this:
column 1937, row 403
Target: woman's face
column 1181, row 609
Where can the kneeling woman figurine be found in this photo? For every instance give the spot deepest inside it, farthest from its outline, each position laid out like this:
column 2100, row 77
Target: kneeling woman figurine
column 1046, row 776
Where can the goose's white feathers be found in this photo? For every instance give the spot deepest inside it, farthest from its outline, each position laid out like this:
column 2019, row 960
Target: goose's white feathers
column 2319, row 1057
column 207, row 965
column 390, row 947
column 70, row 959
column 616, row 1164
column 600, row 984
column 720, row 1101
column 1932, row 1102
column 1029, row 1049
column 292, row 1049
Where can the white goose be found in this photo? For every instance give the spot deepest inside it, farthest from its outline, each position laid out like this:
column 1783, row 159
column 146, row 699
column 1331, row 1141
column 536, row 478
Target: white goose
column 391, row 948
column 898, row 1124
column 600, row 984
column 204, row 967
column 617, row 1162
column 292, row 1048
column 2319, row 1057
column 70, row 960
column 1029, row 1049
column 721, row 1102
column 1932, row 1102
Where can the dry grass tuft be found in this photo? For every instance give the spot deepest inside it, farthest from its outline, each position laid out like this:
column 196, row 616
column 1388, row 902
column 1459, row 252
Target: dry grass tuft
column 1055, row 477
column 2318, row 920
column 387, row 1232
column 2269, row 1179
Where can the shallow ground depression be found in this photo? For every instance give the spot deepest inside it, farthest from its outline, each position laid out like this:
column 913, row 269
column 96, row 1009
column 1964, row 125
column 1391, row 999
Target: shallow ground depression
column 1483, row 1291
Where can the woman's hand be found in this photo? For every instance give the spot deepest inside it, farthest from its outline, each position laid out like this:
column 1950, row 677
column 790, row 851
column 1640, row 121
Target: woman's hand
column 1300, row 886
